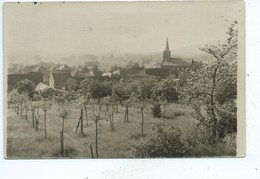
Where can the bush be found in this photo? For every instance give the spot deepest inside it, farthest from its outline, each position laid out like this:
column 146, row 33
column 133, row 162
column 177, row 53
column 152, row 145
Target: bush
column 166, row 90
column 170, row 143
column 199, row 143
column 178, row 113
column 137, row 136
column 25, row 86
column 227, row 118
column 161, row 143
column 156, row 110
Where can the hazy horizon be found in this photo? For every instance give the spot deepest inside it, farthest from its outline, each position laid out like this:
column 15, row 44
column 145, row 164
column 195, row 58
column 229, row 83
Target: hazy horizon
column 62, row 29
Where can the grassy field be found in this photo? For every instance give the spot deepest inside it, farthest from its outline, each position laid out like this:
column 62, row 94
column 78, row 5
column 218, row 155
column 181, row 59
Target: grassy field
column 24, row 142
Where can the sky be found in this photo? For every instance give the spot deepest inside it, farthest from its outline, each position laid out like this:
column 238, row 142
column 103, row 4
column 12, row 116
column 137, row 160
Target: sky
column 54, row 29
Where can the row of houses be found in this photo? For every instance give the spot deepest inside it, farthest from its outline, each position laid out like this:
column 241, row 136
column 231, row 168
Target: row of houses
column 57, row 76
column 12, row 79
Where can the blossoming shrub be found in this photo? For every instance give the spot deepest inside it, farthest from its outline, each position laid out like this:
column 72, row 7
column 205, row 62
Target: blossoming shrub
column 161, row 143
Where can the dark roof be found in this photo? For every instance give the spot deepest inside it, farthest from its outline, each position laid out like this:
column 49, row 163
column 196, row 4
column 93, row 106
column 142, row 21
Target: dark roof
column 29, row 68
column 75, row 72
column 40, row 68
column 14, row 78
column 61, row 77
column 153, row 71
column 80, row 69
column 196, row 63
column 60, row 68
column 178, row 62
column 36, row 77
column 83, row 69
column 130, row 71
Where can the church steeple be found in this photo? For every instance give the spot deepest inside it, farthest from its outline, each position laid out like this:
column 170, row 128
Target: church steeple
column 166, row 52
column 167, row 45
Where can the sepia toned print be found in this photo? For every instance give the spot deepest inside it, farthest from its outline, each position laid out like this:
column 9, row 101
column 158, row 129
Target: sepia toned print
column 124, row 80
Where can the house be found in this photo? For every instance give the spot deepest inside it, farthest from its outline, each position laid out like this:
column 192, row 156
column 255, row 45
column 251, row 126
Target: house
column 155, row 72
column 59, row 80
column 36, row 77
column 45, row 72
column 46, row 91
column 108, row 74
column 60, row 69
column 29, row 68
column 12, row 79
column 131, row 71
column 15, row 78
column 40, row 68
column 15, row 69
column 174, row 65
column 81, row 72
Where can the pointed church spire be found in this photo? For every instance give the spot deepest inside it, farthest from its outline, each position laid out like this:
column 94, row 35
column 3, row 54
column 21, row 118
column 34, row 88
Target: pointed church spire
column 167, row 45
column 166, row 52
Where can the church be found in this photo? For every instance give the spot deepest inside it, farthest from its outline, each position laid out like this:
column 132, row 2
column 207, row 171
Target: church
column 174, row 65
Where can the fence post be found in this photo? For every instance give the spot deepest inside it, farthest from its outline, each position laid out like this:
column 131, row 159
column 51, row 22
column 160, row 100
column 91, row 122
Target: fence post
column 81, row 120
column 91, row 151
column 96, row 136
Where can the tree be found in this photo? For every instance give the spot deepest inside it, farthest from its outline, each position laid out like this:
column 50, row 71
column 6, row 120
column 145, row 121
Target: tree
column 19, row 101
column 98, row 89
column 115, row 68
column 25, row 86
column 72, row 84
column 60, row 100
column 146, row 87
column 97, row 118
column 203, row 87
column 22, row 100
column 122, row 92
column 95, row 70
column 114, row 101
column 84, row 100
column 13, row 100
column 156, row 109
column 163, row 93
column 35, row 106
column 161, row 143
column 110, row 102
column 64, row 113
column 45, row 106
column 26, row 107
column 140, row 101
column 166, row 90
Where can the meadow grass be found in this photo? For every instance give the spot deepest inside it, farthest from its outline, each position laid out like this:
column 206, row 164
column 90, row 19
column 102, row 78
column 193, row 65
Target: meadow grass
column 24, row 142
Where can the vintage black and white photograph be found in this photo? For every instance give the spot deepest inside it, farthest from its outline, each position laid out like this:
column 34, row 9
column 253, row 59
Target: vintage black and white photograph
column 124, row 79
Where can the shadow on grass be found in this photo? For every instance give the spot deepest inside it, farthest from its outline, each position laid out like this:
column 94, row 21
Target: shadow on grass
column 168, row 117
column 68, row 153
column 137, row 136
column 81, row 135
column 174, row 115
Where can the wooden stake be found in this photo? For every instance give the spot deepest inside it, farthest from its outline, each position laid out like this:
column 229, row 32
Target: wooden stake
column 96, row 137
column 142, row 123
column 45, row 125
column 91, row 151
column 26, row 117
column 33, row 118
column 61, row 144
column 164, row 114
column 86, row 114
column 127, row 115
column 62, row 138
column 81, row 120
